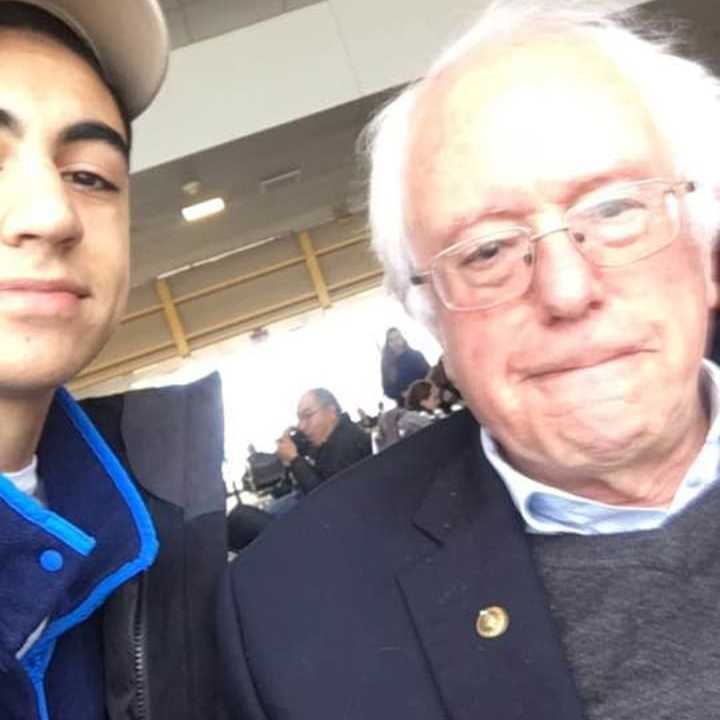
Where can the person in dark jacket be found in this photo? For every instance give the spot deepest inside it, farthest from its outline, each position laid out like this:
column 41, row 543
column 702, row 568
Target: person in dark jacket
column 87, row 631
column 545, row 199
column 336, row 442
column 400, row 365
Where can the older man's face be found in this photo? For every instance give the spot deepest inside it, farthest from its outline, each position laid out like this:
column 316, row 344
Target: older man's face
column 317, row 421
column 591, row 367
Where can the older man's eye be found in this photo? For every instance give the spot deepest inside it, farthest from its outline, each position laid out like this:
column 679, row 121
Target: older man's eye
column 613, row 209
column 86, row 180
column 487, row 253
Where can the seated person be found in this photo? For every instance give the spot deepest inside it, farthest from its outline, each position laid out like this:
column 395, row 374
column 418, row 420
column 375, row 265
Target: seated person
column 422, row 401
column 423, row 396
column 336, row 441
column 450, row 397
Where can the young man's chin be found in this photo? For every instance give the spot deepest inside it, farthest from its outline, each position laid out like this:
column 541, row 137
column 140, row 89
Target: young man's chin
column 33, row 381
column 33, row 366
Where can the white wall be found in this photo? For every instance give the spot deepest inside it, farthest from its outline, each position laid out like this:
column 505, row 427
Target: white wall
column 293, row 65
column 289, row 67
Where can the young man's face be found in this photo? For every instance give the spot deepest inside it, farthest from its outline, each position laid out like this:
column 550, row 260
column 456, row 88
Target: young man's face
column 63, row 213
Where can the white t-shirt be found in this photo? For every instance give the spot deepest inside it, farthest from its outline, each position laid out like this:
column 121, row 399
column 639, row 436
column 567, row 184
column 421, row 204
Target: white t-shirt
column 27, row 480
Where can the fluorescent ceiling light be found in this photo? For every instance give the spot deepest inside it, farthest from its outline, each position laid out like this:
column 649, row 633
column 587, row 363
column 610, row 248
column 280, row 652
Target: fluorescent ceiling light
column 203, row 209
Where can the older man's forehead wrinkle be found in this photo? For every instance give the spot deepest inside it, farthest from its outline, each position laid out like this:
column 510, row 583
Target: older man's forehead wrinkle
column 568, row 191
column 473, row 153
column 466, row 221
column 518, row 204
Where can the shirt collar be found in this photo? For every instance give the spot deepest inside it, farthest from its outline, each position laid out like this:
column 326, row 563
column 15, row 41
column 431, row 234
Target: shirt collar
column 549, row 510
column 26, row 479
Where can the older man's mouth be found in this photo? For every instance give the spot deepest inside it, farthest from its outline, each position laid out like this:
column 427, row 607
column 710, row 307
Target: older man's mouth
column 584, row 360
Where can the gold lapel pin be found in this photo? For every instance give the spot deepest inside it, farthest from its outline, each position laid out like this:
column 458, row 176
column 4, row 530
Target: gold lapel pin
column 492, row 622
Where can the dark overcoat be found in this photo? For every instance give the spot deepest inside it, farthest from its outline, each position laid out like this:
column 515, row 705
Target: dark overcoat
column 362, row 603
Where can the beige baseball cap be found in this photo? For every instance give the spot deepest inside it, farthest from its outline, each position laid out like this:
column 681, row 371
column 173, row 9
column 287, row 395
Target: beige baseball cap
column 129, row 38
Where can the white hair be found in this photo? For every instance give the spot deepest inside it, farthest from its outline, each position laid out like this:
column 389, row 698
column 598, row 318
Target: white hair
column 681, row 95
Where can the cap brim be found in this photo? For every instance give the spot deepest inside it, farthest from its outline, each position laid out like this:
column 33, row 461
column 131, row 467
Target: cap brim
column 129, row 38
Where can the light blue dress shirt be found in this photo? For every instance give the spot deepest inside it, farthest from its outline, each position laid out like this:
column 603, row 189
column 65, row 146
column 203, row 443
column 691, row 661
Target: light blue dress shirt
column 548, row 510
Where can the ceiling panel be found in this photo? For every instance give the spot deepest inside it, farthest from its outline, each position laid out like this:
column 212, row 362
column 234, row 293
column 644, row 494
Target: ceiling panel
column 322, row 147
column 696, row 25
column 290, row 5
column 214, row 17
column 194, row 20
column 176, row 25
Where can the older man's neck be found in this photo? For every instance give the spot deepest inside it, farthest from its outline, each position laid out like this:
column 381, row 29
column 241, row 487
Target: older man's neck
column 21, row 423
column 650, row 480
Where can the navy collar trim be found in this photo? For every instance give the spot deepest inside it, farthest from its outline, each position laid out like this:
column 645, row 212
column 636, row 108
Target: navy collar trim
column 38, row 658
column 146, row 531
column 52, row 523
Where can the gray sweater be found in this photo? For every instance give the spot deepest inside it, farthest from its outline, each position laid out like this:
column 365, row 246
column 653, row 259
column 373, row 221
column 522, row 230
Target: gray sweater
column 639, row 615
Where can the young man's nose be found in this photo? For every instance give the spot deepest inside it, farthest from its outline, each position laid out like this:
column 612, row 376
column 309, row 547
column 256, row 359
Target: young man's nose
column 36, row 205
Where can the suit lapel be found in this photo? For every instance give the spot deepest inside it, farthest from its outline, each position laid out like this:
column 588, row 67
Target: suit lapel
column 484, row 560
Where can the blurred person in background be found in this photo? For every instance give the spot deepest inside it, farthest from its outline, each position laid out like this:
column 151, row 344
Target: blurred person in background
column 421, row 403
column 450, row 398
column 423, row 396
column 336, row 442
column 400, row 365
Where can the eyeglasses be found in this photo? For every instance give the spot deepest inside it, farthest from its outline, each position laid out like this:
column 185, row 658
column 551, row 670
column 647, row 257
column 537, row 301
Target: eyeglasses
column 612, row 227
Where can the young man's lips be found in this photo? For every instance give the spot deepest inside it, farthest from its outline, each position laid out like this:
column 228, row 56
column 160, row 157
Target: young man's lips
column 34, row 297
column 36, row 285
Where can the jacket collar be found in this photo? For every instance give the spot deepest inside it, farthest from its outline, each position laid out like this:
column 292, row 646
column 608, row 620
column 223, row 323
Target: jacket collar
column 88, row 489
column 62, row 562
column 483, row 559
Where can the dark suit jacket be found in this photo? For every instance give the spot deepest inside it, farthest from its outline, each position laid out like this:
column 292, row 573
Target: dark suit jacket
column 171, row 441
column 362, row 603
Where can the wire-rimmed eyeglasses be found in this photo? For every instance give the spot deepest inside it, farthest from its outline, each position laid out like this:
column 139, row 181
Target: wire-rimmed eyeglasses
column 612, row 227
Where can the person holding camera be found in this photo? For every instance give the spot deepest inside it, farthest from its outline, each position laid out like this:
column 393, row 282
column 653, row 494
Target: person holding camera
column 333, row 441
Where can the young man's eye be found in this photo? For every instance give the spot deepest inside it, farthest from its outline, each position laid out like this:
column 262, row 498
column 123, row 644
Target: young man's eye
column 89, row 181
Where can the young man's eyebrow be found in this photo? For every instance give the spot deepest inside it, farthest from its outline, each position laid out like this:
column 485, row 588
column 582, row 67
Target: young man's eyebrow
column 92, row 130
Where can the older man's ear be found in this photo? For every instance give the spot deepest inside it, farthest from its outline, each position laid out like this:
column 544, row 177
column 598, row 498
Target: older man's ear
column 714, row 279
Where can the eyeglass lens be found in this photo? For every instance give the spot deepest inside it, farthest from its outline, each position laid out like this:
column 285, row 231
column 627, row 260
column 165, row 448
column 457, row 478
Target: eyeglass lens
column 618, row 228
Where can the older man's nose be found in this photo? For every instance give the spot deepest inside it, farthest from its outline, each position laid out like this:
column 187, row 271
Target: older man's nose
column 565, row 285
